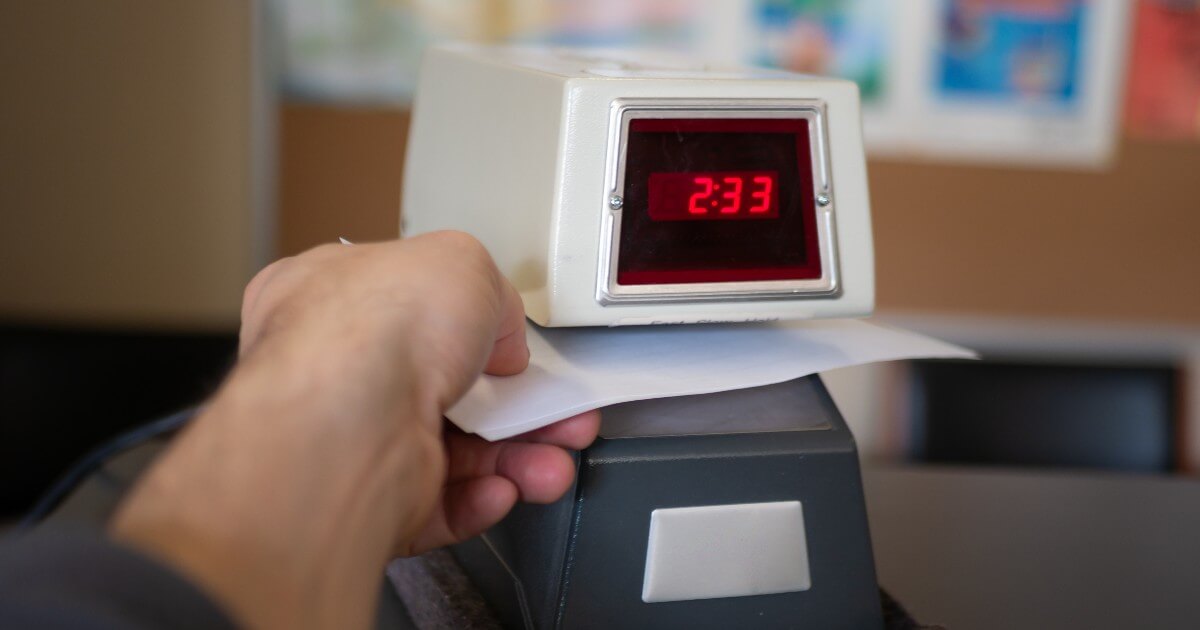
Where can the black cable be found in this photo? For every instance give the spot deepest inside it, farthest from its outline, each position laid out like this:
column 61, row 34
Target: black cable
column 96, row 458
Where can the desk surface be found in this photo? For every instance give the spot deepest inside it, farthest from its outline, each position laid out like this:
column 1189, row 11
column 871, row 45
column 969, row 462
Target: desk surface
column 979, row 549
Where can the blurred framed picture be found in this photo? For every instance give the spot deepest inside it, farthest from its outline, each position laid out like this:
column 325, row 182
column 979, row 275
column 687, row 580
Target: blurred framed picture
column 660, row 24
column 1013, row 52
column 847, row 39
column 1028, row 82
column 369, row 51
column 858, row 40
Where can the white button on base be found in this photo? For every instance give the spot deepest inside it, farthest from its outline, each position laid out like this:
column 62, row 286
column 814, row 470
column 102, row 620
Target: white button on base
column 726, row 551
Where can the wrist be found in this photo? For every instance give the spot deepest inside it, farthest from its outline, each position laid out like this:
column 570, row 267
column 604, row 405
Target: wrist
column 283, row 505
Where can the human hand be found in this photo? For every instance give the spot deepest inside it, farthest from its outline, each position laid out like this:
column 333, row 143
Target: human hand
column 324, row 454
column 456, row 316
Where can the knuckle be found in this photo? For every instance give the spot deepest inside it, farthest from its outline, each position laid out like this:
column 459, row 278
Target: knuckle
column 323, row 251
column 467, row 249
column 459, row 240
column 256, row 283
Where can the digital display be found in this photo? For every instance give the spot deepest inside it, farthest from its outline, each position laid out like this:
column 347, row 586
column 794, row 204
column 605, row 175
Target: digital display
column 710, row 200
column 713, row 195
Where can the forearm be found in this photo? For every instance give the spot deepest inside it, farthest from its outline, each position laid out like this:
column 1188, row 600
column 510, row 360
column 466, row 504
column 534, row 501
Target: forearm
column 323, row 454
column 279, row 502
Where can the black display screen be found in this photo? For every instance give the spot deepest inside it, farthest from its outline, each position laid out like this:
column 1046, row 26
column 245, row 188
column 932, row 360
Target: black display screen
column 718, row 200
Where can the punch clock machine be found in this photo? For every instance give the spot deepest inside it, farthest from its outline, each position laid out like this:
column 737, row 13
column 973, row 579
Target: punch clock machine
column 623, row 189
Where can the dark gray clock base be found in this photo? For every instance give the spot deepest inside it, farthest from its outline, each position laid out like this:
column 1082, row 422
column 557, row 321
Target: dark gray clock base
column 581, row 562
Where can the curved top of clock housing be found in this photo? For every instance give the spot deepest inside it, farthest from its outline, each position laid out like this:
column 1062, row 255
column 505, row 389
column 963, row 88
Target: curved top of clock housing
column 619, row 190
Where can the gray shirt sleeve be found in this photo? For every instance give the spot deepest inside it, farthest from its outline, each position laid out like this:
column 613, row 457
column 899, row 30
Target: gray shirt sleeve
column 78, row 578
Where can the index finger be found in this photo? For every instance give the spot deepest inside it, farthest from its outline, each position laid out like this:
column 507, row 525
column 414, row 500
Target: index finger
column 510, row 353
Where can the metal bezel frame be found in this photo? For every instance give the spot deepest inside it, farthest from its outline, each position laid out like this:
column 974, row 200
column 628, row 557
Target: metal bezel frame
column 623, row 111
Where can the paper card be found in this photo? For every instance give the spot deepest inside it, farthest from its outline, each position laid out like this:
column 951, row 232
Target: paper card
column 573, row 370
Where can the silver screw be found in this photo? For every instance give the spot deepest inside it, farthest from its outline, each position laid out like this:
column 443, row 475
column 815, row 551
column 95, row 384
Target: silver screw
column 823, row 200
column 616, row 202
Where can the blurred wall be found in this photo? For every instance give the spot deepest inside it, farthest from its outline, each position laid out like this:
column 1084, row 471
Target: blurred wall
column 1119, row 244
column 340, row 174
column 127, row 171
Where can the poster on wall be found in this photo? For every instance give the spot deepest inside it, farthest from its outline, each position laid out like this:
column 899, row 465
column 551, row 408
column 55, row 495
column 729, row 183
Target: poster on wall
column 369, row 51
column 857, row 40
column 1164, row 76
column 658, row 24
column 847, row 39
column 1034, row 82
column 350, row 51
column 1024, row 54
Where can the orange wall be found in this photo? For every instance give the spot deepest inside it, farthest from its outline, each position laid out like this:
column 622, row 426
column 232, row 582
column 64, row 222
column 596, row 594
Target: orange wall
column 339, row 175
column 1121, row 244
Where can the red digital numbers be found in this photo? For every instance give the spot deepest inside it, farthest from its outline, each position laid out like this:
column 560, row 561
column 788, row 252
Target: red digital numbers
column 730, row 195
column 696, row 204
column 733, row 194
column 763, row 194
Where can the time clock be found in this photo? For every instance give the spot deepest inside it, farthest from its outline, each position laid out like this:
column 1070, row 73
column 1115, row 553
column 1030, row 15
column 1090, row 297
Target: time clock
column 617, row 189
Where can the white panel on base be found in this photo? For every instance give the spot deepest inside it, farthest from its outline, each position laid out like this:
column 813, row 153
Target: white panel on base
column 726, row 551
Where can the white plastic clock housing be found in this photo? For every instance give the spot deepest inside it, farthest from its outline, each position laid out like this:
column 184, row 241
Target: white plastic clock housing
column 523, row 148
